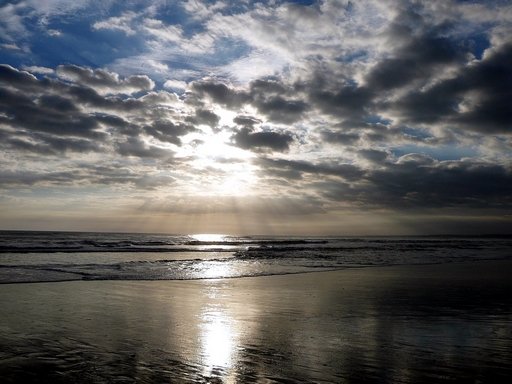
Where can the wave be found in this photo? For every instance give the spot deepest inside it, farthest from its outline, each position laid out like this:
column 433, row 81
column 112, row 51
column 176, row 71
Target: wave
column 36, row 257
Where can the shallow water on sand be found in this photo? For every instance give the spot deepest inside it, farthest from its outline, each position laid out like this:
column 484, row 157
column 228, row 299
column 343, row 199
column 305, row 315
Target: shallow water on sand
column 415, row 324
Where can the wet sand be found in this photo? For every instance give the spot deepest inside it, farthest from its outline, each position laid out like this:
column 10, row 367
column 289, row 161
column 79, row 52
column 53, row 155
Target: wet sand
column 410, row 324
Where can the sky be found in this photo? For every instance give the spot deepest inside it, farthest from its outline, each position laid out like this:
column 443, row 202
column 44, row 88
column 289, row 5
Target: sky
column 333, row 117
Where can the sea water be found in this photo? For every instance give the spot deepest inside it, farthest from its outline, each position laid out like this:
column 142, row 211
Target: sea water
column 28, row 256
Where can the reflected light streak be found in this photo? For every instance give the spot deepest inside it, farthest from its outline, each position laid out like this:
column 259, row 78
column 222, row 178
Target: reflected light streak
column 206, row 237
column 218, row 343
column 214, row 269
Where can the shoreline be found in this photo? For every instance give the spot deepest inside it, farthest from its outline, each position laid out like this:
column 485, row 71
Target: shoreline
column 419, row 323
column 333, row 270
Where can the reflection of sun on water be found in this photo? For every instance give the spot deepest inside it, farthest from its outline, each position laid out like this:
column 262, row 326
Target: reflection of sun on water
column 217, row 341
column 209, row 237
column 215, row 270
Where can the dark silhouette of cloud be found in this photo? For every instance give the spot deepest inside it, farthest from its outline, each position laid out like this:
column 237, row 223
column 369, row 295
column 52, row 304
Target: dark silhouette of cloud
column 204, row 116
column 103, row 81
column 262, row 141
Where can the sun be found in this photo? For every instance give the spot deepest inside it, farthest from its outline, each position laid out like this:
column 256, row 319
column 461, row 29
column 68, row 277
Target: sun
column 222, row 169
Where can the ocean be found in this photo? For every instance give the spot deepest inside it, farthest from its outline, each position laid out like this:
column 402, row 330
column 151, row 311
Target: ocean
column 27, row 256
column 154, row 308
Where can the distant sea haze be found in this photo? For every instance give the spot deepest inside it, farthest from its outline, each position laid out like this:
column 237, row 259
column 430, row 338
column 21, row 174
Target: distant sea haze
column 27, row 256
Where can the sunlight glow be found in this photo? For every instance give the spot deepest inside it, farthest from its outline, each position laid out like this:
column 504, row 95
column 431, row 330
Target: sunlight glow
column 217, row 340
column 216, row 270
column 209, row 237
column 222, row 169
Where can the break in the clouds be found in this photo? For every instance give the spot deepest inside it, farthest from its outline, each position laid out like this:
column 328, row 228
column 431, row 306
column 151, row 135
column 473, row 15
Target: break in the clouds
column 257, row 114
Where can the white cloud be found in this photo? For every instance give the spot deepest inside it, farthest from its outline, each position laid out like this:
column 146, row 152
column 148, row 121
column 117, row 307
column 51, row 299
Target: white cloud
column 11, row 23
column 253, row 66
column 38, row 69
column 54, row 32
column 167, row 33
column 201, row 10
column 11, row 46
column 119, row 23
column 175, row 84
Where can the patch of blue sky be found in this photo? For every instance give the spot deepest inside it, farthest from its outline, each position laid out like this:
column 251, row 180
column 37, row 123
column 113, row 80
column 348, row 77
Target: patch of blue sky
column 441, row 153
column 478, row 43
column 351, row 57
column 302, row 2
column 81, row 45
column 375, row 119
column 13, row 57
column 177, row 15
column 416, row 132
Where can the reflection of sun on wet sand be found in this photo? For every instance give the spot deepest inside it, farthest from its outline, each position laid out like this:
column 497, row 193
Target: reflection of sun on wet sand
column 435, row 323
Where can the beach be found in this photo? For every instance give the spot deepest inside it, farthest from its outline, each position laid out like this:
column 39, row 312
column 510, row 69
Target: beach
column 396, row 324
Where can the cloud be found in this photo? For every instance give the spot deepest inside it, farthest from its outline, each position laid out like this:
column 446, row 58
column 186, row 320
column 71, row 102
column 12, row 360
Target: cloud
column 221, row 93
column 119, row 23
column 413, row 181
column 12, row 47
column 167, row 131
column 246, row 121
column 105, row 82
column 204, row 116
column 262, row 141
column 91, row 175
column 134, row 146
column 39, row 70
column 175, row 85
column 295, row 169
column 390, row 106
column 475, row 98
column 54, row 32
column 50, row 116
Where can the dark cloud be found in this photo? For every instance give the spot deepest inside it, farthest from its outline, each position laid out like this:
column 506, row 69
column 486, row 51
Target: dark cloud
column 422, row 49
column 44, row 144
column 485, row 88
column 281, row 110
column 415, row 61
column 167, row 131
column 373, row 155
column 28, row 178
column 246, row 121
column 338, row 137
column 246, row 138
column 413, row 182
column 349, row 102
column 104, row 81
column 10, row 76
column 52, row 117
column 50, row 114
column 133, row 146
column 417, row 184
column 86, row 174
column 263, row 87
column 270, row 97
column 204, row 116
column 295, row 169
column 220, row 93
